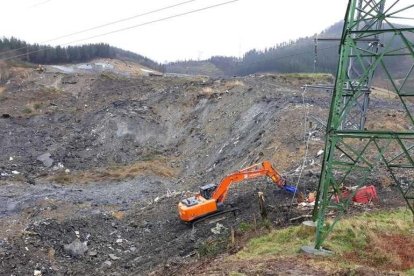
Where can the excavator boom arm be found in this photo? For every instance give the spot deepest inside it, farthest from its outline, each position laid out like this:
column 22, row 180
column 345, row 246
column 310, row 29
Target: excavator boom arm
column 254, row 171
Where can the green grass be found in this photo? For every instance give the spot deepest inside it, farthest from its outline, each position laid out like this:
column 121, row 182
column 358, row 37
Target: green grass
column 37, row 106
column 356, row 233
column 27, row 110
column 245, row 227
column 233, row 273
column 50, row 89
column 409, row 272
column 352, row 235
column 285, row 241
column 62, row 178
column 212, row 247
column 315, row 76
column 112, row 76
column 20, row 63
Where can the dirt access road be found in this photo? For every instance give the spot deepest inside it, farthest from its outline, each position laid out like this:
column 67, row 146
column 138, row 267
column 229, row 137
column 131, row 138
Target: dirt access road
column 99, row 162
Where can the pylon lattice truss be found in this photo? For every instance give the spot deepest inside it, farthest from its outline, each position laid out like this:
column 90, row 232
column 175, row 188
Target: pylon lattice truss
column 370, row 134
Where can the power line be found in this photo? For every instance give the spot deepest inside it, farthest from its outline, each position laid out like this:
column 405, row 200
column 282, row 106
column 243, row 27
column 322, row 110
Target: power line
column 158, row 20
column 306, row 138
column 106, row 24
column 39, row 4
column 130, row 27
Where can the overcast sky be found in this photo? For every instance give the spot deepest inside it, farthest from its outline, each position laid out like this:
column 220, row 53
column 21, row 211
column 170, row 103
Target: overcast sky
column 231, row 29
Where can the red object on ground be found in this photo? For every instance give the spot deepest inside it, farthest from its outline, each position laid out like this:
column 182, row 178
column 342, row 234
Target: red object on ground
column 363, row 195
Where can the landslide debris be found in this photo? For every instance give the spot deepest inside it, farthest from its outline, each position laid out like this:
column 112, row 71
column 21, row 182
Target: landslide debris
column 93, row 165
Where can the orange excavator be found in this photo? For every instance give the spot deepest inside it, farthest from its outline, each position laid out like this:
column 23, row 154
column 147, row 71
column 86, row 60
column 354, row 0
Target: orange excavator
column 211, row 197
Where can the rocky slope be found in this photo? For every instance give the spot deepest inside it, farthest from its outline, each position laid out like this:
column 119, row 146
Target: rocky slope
column 93, row 165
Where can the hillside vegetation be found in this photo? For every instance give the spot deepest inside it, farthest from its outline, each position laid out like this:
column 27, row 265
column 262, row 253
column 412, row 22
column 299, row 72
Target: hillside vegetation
column 374, row 243
column 287, row 57
column 13, row 48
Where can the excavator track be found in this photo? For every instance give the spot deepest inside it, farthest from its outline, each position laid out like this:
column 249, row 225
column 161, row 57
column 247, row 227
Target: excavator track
column 216, row 214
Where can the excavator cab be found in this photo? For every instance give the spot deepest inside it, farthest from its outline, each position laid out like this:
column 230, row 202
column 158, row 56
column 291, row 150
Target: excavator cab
column 207, row 191
column 199, row 205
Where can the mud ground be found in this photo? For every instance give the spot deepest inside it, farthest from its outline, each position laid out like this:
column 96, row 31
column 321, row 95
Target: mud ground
column 105, row 158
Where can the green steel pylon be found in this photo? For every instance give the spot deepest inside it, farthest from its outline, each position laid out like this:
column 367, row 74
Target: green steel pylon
column 377, row 42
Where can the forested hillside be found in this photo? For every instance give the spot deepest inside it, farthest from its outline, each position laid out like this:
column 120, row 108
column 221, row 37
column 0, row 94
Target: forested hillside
column 13, row 48
column 287, row 57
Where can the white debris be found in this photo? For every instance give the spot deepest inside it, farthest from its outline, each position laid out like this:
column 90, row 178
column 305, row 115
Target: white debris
column 113, row 257
column 4, row 174
column 15, row 172
column 65, row 69
column 11, row 158
column 37, row 273
column 45, row 159
column 320, row 152
column 59, row 166
column 76, row 248
column 108, row 263
column 157, row 199
column 77, row 234
column 67, row 171
column 119, row 240
column 306, row 204
column 218, row 229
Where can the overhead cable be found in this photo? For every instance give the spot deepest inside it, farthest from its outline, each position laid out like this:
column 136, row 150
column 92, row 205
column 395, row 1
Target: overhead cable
column 128, row 28
column 107, row 24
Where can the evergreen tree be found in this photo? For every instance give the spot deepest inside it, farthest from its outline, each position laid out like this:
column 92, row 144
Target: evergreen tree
column 45, row 54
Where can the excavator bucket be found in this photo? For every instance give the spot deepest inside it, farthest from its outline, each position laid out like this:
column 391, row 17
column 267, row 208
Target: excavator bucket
column 290, row 189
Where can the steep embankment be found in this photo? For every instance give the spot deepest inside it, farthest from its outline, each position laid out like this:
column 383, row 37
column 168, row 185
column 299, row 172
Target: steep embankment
column 197, row 127
column 104, row 158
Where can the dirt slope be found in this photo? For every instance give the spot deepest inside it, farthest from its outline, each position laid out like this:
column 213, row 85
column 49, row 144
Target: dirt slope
column 105, row 158
column 197, row 124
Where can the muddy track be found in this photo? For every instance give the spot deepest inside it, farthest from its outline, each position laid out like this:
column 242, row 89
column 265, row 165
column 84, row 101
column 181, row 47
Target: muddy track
column 144, row 238
column 16, row 197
